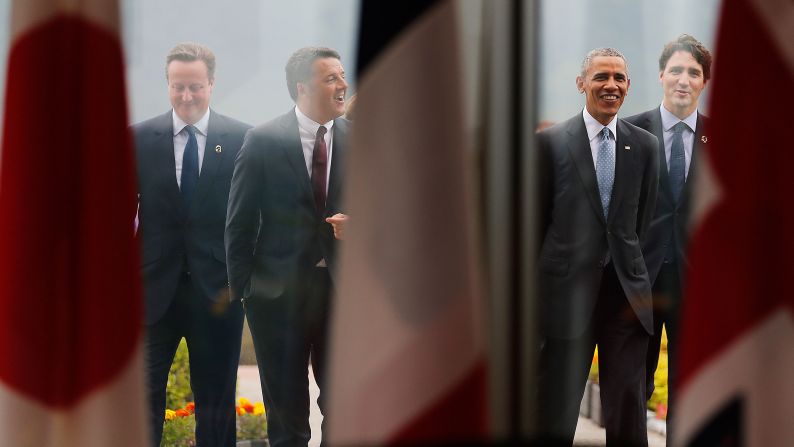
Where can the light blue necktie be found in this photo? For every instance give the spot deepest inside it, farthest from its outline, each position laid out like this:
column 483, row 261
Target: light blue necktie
column 190, row 167
column 677, row 170
column 605, row 168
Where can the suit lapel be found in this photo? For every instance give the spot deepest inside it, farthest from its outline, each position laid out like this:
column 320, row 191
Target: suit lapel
column 654, row 126
column 579, row 148
column 697, row 146
column 293, row 149
column 624, row 165
column 163, row 144
column 216, row 132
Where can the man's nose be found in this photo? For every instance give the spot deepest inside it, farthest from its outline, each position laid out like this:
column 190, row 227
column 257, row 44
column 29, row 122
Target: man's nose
column 186, row 96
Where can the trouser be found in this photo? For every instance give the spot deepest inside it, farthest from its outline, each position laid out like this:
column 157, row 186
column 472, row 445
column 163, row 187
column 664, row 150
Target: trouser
column 288, row 332
column 213, row 331
column 565, row 363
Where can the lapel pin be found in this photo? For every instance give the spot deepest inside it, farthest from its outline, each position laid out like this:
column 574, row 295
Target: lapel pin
column 704, row 139
column 218, row 149
column 628, row 148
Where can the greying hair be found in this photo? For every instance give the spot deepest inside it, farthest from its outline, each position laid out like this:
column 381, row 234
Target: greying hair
column 609, row 52
column 189, row 52
column 299, row 66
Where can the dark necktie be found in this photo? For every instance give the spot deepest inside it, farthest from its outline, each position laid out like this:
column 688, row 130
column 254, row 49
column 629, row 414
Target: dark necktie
column 319, row 169
column 677, row 172
column 190, row 167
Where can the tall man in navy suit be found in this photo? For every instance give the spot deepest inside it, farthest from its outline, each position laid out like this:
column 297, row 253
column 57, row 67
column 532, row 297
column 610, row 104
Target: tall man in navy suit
column 598, row 182
column 185, row 161
column 684, row 70
column 287, row 182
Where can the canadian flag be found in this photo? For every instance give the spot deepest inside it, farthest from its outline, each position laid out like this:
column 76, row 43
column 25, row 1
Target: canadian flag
column 737, row 364
column 70, row 328
column 408, row 358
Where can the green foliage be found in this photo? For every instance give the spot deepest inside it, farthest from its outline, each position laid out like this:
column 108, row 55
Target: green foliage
column 178, row 392
column 179, row 432
column 251, row 426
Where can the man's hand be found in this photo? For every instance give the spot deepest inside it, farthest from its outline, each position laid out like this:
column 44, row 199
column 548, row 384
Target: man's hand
column 338, row 221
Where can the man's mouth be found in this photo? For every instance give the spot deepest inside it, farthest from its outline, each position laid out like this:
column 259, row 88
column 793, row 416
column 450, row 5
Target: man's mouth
column 609, row 97
column 340, row 97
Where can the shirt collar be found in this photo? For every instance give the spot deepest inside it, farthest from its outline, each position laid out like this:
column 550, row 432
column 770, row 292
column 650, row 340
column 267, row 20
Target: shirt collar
column 594, row 127
column 201, row 125
column 669, row 120
column 308, row 125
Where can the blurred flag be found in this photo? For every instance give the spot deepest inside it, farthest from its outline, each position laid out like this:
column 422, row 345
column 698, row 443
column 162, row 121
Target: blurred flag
column 408, row 358
column 70, row 329
column 738, row 322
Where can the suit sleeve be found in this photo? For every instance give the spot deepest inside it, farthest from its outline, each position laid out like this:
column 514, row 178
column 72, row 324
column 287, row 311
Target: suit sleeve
column 545, row 184
column 650, row 188
column 242, row 216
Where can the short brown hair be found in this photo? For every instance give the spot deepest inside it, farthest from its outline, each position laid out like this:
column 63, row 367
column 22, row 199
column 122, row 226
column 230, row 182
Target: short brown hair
column 299, row 66
column 687, row 43
column 189, row 52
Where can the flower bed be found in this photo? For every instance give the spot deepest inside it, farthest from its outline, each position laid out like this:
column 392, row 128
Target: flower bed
column 180, row 424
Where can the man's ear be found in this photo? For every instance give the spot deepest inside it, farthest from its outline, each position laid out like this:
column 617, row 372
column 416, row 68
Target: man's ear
column 301, row 89
column 580, row 84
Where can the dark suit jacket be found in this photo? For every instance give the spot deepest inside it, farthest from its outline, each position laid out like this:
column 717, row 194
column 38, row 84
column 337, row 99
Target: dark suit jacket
column 273, row 232
column 576, row 241
column 172, row 238
column 670, row 221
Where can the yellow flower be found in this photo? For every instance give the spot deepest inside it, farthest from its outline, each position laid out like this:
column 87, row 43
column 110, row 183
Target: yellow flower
column 170, row 415
column 259, row 409
column 243, row 401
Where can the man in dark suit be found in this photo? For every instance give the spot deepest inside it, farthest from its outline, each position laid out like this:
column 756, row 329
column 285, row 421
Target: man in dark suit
column 598, row 183
column 287, row 181
column 185, row 161
column 684, row 70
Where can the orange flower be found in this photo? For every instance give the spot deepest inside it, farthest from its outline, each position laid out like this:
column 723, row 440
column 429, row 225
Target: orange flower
column 249, row 408
column 191, row 407
column 182, row 413
column 240, row 410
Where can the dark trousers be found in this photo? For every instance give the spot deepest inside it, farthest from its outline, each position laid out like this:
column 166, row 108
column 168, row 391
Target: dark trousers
column 666, row 306
column 213, row 332
column 288, row 332
column 565, row 363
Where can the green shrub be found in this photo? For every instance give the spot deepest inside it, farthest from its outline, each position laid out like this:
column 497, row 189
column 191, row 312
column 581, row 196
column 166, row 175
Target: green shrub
column 178, row 392
column 179, row 432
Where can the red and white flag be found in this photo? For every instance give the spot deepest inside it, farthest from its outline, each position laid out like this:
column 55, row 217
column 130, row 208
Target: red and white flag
column 408, row 356
column 70, row 327
column 737, row 362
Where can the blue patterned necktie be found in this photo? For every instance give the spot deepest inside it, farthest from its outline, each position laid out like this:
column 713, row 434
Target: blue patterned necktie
column 190, row 167
column 677, row 171
column 605, row 168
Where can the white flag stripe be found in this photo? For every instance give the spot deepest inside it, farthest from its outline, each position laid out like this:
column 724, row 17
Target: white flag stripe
column 91, row 423
column 406, row 326
column 757, row 367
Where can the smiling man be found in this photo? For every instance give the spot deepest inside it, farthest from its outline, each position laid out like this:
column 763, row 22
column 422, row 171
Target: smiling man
column 287, row 181
column 185, row 160
column 684, row 70
column 598, row 182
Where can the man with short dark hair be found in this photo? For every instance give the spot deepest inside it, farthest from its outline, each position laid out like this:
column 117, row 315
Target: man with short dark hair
column 598, row 180
column 287, row 181
column 684, row 70
column 185, row 160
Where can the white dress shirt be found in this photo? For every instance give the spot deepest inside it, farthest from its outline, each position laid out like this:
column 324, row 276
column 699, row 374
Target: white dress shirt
column 180, row 141
column 308, row 133
column 668, row 121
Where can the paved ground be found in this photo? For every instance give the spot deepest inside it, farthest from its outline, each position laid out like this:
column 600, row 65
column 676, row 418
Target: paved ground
column 588, row 433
